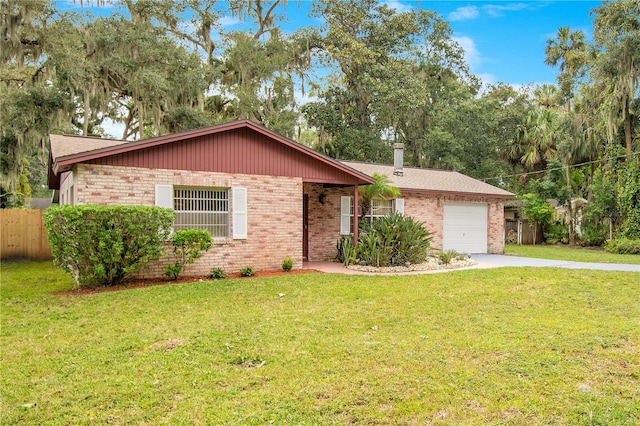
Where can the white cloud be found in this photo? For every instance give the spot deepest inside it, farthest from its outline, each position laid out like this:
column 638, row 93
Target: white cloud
column 113, row 129
column 397, row 5
column 487, row 78
column 471, row 53
column 497, row 10
column 464, row 13
column 228, row 21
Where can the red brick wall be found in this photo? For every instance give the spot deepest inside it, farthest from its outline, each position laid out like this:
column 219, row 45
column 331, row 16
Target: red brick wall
column 324, row 220
column 274, row 207
column 495, row 222
column 429, row 209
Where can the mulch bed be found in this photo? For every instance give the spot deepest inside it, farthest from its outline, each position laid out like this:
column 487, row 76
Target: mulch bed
column 142, row 283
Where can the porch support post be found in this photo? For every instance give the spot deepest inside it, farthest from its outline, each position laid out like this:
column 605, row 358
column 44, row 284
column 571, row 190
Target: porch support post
column 355, row 214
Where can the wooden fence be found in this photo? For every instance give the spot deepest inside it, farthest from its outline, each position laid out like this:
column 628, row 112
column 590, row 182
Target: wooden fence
column 23, row 235
column 522, row 233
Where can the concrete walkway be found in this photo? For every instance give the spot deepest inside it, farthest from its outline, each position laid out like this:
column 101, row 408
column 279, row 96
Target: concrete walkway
column 498, row 260
column 485, row 261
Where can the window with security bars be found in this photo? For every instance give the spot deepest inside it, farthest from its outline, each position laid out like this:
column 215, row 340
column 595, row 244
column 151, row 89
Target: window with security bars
column 198, row 208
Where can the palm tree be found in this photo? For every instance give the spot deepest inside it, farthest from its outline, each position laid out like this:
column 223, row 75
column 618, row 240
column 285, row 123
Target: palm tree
column 572, row 146
column 538, row 138
column 569, row 52
column 381, row 189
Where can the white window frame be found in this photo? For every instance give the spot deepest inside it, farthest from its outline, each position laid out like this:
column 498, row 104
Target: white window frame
column 379, row 208
column 202, row 208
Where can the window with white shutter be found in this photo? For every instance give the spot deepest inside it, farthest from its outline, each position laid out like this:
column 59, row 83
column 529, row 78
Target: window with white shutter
column 239, row 213
column 399, row 204
column 164, row 196
column 346, row 215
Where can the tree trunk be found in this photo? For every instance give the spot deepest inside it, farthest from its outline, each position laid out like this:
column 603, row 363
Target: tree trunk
column 572, row 237
column 627, row 129
column 86, row 106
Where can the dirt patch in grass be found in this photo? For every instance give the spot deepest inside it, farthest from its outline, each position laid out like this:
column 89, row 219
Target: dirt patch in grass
column 149, row 282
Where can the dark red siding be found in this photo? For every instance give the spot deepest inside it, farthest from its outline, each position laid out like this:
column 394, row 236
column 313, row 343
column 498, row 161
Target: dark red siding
column 234, row 151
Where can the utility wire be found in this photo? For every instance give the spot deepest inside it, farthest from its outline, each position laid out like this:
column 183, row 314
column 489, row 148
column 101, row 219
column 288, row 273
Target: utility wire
column 559, row 168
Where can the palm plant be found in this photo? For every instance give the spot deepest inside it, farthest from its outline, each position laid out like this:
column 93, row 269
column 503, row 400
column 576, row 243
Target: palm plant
column 383, row 189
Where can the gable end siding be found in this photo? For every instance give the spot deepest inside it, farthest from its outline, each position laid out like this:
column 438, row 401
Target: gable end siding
column 235, row 151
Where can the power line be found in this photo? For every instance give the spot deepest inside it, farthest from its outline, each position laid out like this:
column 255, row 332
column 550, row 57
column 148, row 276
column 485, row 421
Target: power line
column 559, row 168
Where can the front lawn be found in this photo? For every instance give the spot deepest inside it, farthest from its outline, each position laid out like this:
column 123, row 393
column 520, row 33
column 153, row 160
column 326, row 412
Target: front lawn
column 501, row 346
column 574, row 254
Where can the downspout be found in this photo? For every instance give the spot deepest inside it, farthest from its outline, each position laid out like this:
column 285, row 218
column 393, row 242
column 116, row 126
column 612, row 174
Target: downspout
column 355, row 215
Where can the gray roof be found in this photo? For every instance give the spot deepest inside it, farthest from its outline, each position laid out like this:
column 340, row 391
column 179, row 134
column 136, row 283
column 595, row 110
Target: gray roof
column 432, row 181
column 65, row 145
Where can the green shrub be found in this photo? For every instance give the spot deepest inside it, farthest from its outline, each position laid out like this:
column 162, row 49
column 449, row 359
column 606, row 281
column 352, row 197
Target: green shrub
column 372, row 250
column 103, row 245
column 592, row 235
column 623, row 246
column 287, row 264
column 391, row 240
column 218, row 274
column 557, row 232
column 394, row 240
column 188, row 245
column 247, row 271
column 347, row 253
column 446, row 256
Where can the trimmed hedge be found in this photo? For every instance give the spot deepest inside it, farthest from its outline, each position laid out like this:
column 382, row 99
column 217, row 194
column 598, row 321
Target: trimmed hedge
column 103, row 245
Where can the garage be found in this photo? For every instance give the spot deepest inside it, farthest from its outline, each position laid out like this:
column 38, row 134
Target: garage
column 465, row 227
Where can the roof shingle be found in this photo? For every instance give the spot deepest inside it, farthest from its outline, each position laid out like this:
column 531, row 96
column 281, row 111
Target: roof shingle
column 430, row 180
column 65, row 145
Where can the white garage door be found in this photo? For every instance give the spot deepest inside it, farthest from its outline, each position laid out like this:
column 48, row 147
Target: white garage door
column 465, row 227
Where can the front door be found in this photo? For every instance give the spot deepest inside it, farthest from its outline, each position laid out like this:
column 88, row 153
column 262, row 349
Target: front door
column 305, row 227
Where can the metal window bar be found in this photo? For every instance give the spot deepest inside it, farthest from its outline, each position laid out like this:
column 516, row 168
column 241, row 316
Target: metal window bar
column 202, row 209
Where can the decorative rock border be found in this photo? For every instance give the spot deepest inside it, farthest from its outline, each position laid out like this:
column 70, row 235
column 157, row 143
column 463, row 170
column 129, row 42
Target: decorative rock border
column 431, row 264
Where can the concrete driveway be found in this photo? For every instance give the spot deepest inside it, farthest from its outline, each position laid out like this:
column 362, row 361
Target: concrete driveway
column 498, row 260
column 485, row 261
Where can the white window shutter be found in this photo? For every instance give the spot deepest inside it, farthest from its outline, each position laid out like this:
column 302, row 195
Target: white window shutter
column 164, row 196
column 239, row 213
column 345, row 215
column 400, row 206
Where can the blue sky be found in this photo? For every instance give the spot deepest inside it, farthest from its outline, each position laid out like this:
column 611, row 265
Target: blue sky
column 505, row 40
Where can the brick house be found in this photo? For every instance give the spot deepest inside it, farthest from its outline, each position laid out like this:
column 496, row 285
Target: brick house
column 264, row 197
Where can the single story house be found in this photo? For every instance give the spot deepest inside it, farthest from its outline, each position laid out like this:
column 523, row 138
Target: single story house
column 265, row 197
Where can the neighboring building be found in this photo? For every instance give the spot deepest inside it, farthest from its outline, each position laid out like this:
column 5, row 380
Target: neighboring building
column 39, row 203
column 264, row 197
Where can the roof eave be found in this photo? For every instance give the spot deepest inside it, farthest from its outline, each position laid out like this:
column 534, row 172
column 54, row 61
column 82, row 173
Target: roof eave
column 458, row 193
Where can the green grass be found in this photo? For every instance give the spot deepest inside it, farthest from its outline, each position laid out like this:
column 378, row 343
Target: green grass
column 575, row 254
column 502, row 346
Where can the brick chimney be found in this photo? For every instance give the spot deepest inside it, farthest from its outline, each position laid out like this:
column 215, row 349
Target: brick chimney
column 398, row 158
